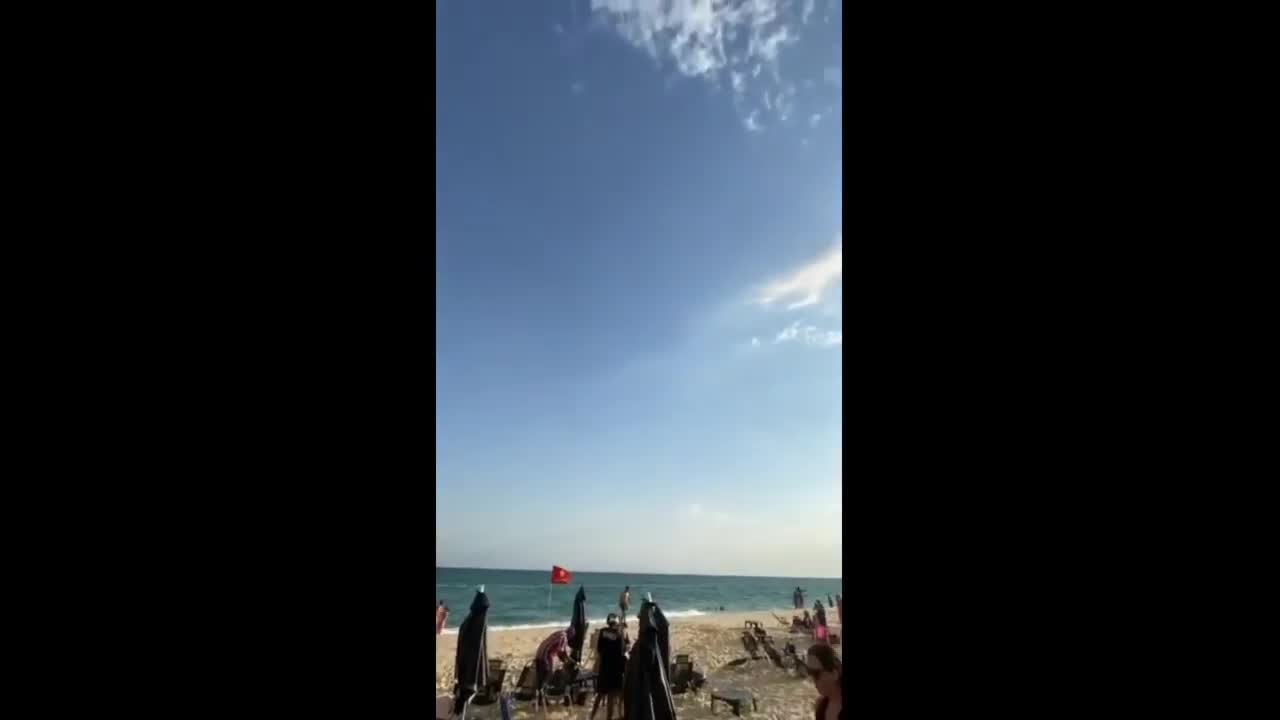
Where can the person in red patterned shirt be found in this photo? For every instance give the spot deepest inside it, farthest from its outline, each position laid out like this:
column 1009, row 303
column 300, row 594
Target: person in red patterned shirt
column 555, row 646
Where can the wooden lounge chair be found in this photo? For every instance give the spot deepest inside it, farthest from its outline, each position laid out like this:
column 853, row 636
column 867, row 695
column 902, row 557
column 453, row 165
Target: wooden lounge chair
column 773, row 654
column 751, row 645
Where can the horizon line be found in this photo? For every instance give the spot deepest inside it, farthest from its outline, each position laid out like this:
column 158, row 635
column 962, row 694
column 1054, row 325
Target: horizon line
column 628, row 572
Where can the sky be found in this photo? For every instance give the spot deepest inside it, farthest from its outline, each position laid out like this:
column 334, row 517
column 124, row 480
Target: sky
column 639, row 265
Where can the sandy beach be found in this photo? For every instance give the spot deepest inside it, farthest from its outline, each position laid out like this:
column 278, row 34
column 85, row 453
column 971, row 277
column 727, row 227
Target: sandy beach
column 713, row 640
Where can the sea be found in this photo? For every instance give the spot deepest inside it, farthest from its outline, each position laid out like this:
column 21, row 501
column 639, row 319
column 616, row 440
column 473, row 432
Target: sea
column 518, row 599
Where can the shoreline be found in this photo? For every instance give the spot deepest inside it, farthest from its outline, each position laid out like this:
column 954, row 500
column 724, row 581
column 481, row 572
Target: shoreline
column 672, row 616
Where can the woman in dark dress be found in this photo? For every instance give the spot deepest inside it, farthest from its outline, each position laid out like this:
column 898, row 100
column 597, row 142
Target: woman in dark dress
column 828, row 678
column 611, row 664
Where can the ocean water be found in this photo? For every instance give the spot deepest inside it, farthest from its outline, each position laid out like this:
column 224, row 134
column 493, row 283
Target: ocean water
column 518, row 598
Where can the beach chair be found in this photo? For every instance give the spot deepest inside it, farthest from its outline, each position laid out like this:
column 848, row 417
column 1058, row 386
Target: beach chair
column 683, row 677
column 558, row 686
column 773, row 654
column 797, row 659
column 490, row 693
column 751, row 645
column 527, row 685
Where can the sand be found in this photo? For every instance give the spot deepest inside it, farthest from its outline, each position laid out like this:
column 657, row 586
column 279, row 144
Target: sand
column 712, row 640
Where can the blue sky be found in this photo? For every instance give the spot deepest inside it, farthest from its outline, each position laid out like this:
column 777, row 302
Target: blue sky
column 638, row 281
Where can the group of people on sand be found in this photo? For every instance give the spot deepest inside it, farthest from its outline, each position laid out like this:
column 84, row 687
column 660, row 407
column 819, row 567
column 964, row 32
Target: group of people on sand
column 611, row 646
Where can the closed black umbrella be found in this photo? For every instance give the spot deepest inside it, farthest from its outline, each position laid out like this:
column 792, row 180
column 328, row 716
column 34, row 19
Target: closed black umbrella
column 663, row 630
column 579, row 624
column 647, row 691
column 471, row 667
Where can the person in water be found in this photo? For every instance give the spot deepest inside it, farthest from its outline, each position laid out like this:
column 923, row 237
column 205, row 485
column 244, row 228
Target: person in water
column 825, row 669
column 611, row 663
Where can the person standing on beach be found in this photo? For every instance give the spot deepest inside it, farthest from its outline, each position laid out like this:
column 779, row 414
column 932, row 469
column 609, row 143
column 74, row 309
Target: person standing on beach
column 820, row 631
column 611, row 663
column 442, row 614
column 840, row 609
column 830, row 602
column 624, row 601
column 825, row 669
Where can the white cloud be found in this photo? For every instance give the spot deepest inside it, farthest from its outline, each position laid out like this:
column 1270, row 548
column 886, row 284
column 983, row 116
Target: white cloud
column 815, row 119
column 806, row 284
column 808, row 10
column 810, row 335
column 750, row 122
column 706, row 38
column 755, row 342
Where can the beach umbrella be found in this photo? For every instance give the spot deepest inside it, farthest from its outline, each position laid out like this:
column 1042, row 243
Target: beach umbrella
column 471, row 665
column 579, row 624
column 646, row 692
column 662, row 629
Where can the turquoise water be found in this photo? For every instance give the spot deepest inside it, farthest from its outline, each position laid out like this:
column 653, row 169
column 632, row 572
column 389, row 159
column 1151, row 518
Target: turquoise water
column 518, row 598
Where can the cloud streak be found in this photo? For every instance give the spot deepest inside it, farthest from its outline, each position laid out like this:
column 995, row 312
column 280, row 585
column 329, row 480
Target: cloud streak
column 805, row 285
column 714, row 40
column 810, row 335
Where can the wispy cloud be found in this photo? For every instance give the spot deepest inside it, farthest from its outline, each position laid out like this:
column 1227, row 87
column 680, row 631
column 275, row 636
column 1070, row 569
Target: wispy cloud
column 712, row 40
column 755, row 342
column 578, row 88
column 815, row 119
column 805, row 285
column 810, row 335
column 750, row 122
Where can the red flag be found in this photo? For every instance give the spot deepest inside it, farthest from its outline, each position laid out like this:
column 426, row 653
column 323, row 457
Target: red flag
column 560, row 576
